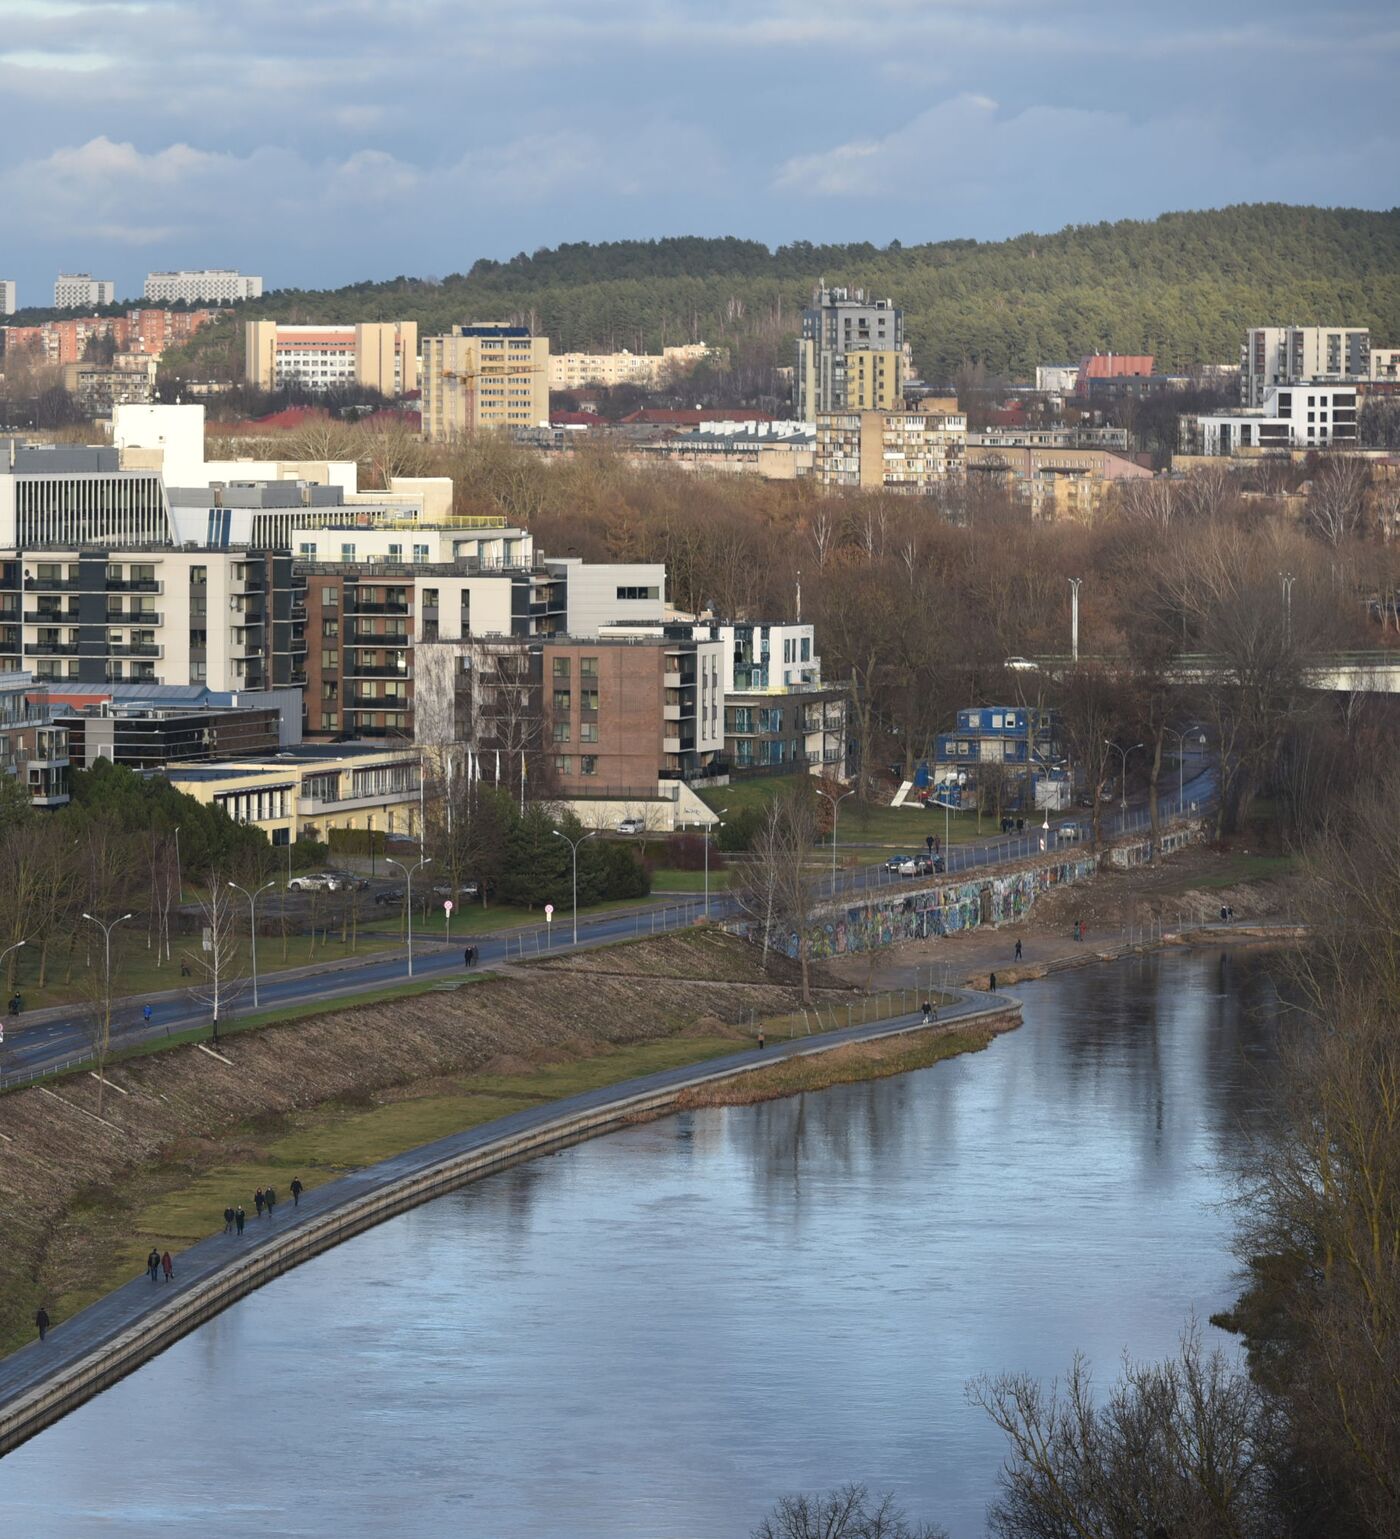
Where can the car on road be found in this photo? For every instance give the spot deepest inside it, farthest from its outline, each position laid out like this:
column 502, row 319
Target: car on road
column 312, row 881
column 896, row 861
column 462, row 890
column 1021, row 665
column 390, row 896
column 631, row 826
column 917, row 865
column 347, row 881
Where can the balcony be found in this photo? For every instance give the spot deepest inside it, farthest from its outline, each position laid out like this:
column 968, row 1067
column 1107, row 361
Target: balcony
column 374, row 671
column 50, row 617
column 354, row 606
column 136, row 585
column 143, row 619
column 56, row 585
column 396, row 704
column 672, row 712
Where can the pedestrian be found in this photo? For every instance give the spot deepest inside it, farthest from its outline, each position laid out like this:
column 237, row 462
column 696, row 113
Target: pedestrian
column 228, row 1220
column 146, row 1014
column 937, row 844
column 1076, row 929
column 167, row 1266
column 297, row 1190
column 1230, row 914
column 270, row 1198
column 153, row 1265
column 1018, row 950
column 258, row 1200
column 184, row 968
column 1223, row 912
column 928, row 1012
column 992, row 983
column 41, row 1319
column 15, row 1004
column 467, row 956
column 238, row 1218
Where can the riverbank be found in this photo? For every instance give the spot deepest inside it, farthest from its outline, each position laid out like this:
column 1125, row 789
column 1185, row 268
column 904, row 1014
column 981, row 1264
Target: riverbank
column 83, row 1355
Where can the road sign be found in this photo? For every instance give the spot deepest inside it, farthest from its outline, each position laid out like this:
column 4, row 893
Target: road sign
column 549, row 913
column 447, row 905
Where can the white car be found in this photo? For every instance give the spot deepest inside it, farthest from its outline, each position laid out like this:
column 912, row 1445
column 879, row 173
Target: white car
column 312, row 883
column 1021, row 665
column 631, row 826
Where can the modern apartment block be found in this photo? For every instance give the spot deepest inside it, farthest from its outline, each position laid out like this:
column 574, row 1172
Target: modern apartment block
column 98, row 389
column 1385, row 365
column 850, row 356
column 380, row 356
column 78, row 291
column 138, row 333
column 1304, row 416
column 202, row 286
column 1291, row 355
column 484, row 376
column 912, row 452
column 577, row 371
column 9, row 297
column 33, row 747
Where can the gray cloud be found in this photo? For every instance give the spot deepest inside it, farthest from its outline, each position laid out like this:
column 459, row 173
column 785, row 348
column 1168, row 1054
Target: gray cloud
column 339, row 139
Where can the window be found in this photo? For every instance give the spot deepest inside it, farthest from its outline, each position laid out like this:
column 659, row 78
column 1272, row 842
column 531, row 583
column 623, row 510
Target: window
column 563, row 699
column 347, row 552
column 588, row 699
column 329, row 689
column 330, row 598
column 588, row 667
column 330, row 657
column 420, row 553
column 199, row 576
column 330, row 628
column 307, row 551
column 396, row 553
column 561, row 667
column 638, row 593
column 588, row 764
column 588, row 732
column 561, row 732
column 564, row 763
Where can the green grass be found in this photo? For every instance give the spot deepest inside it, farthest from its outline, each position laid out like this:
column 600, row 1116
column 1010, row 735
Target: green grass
column 664, row 880
column 1248, row 868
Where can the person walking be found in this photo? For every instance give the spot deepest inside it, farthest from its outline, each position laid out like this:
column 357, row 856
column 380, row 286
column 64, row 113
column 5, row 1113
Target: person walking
column 270, row 1198
column 760, row 1039
column 146, row 1014
column 16, row 1004
column 992, row 984
column 258, row 1201
column 153, row 1265
column 238, row 1218
column 928, row 1012
column 167, row 1265
column 1018, row 950
column 297, row 1190
column 228, row 1220
column 41, row 1319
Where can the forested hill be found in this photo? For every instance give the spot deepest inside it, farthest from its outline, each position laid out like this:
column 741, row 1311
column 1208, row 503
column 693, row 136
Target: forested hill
column 1183, row 287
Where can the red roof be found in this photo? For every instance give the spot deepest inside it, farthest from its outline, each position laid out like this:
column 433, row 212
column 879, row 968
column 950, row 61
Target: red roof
column 1007, row 416
column 657, row 416
column 574, row 419
column 1115, row 365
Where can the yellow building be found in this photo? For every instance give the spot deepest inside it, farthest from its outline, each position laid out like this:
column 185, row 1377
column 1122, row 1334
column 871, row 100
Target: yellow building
column 1056, row 483
column 914, row 452
column 309, row 790
column 381, row 356
column 484, row 376
column 577, row 371
column 874, row 381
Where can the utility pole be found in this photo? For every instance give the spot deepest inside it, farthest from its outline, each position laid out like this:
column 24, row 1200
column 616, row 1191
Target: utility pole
column 252, row 898
column 573, row 848
column 408, row 896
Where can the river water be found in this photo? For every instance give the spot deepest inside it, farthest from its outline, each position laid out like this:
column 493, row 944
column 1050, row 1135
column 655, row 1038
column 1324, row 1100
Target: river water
column 656, row 1334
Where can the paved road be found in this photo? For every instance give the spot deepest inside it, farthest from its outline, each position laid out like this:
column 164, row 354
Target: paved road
column 56, row 1039
column 71, row 1340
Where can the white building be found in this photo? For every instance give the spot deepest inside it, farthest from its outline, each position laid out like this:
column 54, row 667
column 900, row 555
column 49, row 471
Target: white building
column 8, row 301
column 206, row 285
column 575, row 371
column 1385, row 363
column 1307, row 416
column 619, row 592
column 1056, row 378
column 81, row 291
column 1291, row 355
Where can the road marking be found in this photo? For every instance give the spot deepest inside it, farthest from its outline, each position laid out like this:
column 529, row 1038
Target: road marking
column 213, row 1054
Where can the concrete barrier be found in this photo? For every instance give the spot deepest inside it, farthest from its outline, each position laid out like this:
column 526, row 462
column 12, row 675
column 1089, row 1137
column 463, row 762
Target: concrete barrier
column 363, row 1206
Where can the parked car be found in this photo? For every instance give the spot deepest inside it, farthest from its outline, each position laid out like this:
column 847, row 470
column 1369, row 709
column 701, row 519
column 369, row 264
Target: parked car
column 896, row 861
column 314, row 881
column 462, row 890
column 390, row 896
column 1021, row 665
column 917, row 865
column 631, row 826
column 347, row 881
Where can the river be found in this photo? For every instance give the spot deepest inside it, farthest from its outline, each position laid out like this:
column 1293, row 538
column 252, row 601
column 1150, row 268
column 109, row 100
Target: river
column 654, row 1335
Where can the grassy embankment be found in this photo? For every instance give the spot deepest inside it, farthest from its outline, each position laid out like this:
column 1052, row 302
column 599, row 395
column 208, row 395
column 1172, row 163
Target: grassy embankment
column 84, row 1200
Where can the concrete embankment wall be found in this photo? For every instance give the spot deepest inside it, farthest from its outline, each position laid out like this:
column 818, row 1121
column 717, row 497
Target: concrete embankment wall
column 948, row 907
column 368, row 1201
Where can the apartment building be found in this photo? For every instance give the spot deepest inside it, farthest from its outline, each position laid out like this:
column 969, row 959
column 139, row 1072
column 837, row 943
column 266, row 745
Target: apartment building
column 380, row 356
column 650, row 371
column 1110, row 374
column 97, row 389
column 76, row 291
column 1055, row 483
column 1384, row 365
column 144, row 735
column 1290, row 355
column 9, row 296
column 1305, row 416
column 482, row 377
column 138, row 333
column 33, row 747
column 911, row 452
column 202, row 286
column 850, row 355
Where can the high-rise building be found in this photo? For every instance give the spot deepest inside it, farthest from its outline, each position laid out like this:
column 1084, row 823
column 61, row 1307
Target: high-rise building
column 380, row 356
column 483, row 376
column 8, row 302
column 1293, row 355
column 79, row 291
column 850, row 356
column 913, row 452
column 204, row 286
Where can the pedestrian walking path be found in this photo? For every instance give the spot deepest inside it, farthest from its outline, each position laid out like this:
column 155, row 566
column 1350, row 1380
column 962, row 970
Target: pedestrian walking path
column 44, row 1380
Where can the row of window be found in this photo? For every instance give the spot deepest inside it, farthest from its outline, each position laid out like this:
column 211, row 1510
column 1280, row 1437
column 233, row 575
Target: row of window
column 587, row 732
column 587, row 764
column 587, row 667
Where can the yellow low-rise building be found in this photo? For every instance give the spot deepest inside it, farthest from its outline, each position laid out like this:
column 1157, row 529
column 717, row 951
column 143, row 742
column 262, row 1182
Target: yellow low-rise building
column 307, row 791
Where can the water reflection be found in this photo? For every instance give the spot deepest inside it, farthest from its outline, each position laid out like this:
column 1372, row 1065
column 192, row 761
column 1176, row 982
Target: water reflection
column 657, row 1333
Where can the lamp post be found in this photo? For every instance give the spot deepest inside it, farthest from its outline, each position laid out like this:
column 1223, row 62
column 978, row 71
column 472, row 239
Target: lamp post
column 408, row 896
column 9, row 949
column 106, row 929
column 573, row 850
column 716, row 824
column 1123, row 786
column 1286, row 581
column 947, row 807
column 835, row 810
column 1074, row 583
column 1181, row 763
column 252, row 898
column 179, row 869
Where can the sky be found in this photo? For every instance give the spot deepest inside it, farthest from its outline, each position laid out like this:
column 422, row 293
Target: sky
column 320, row 142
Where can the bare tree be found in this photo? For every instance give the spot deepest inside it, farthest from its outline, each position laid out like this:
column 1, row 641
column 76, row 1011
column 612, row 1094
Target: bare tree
column 781, row 890
column 848, row 1512
column 1337, row 498
column 216, row 963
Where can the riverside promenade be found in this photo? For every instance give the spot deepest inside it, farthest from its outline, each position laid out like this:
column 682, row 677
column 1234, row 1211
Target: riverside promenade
column 43, row 1381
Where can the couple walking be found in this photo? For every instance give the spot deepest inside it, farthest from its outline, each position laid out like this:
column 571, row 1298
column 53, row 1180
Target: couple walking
column 158, row 1265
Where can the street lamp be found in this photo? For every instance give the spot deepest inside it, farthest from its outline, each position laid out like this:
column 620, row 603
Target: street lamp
column 573, row 850
column 179, row 869
column 1181, row 763
column 947, row 807
column 1286, row 581
column 252, row 898
column 1123, row 786
column 835, row 809
column 107, row 971
column 718, row 824
column 1074, row 583
column 9, row 949
column 408, row 897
